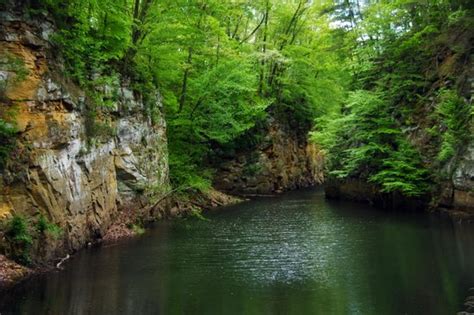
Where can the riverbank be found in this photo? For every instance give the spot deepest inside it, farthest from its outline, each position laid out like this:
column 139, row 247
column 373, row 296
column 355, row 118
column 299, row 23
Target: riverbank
column 360, row 191
column 11, row 273
column 129, row 223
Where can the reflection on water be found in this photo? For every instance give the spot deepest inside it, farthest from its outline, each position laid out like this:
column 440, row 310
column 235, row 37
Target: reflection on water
column 295, row 254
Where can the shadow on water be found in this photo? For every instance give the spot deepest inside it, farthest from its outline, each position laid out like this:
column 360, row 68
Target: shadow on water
column 293, row 254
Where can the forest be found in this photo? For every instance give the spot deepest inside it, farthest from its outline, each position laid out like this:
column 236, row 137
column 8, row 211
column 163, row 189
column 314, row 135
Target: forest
column 359, row 75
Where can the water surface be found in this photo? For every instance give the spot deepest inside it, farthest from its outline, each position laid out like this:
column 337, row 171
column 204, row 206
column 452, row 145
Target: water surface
column 293, row 254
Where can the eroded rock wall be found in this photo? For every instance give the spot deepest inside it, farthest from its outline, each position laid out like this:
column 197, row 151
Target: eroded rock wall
column 457, row 192
column 285, row 160
column 57, row 168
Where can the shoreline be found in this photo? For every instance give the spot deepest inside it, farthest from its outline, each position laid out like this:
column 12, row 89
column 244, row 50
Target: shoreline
column 123, row 228
column 12, row 273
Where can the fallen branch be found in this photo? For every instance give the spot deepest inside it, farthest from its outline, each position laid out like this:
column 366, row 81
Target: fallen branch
column 167, row 195
column 58, row 265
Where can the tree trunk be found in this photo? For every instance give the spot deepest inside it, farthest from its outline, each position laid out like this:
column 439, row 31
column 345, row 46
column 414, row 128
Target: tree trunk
column 184, row 85
column 264, row 49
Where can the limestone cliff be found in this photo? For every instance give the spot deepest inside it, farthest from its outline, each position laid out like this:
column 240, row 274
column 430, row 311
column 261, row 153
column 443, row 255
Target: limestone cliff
column 283, row 160
column 77, row 169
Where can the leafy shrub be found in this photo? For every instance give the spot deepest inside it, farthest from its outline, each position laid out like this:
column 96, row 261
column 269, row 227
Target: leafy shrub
column 44, row 226
column 455, row 118
column 7, row 141
column 367, row 143
column 402, row 171
column 18, row 236
column 186, row 174
column 252, row 169
column 138, row 229
column 20, row 233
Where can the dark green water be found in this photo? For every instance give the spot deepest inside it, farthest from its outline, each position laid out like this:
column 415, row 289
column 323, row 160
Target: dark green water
column 294, row 254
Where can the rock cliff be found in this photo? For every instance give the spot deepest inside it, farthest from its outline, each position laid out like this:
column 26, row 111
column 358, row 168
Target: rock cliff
column 283, row 160
column 457, row 192
column 75, row 166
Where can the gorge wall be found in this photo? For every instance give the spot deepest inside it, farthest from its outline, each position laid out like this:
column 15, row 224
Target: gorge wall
column 75, row 166
column 283, row 160
column 453, row 180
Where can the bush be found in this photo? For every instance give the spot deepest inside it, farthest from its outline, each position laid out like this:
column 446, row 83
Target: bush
column 367, row 143
column 7, row 141
column 19, row 238
column 138, row 229
column 44, row 226
column 454, row 117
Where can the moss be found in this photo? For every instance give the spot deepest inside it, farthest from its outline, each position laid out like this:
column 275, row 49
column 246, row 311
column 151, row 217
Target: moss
column 138, row 229
column 97, row 130
column 14, row 70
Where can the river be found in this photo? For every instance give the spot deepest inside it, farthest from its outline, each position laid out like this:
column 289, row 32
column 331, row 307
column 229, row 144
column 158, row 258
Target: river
column 292, row 254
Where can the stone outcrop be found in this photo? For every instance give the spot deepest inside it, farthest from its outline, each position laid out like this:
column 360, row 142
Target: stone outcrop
column 284, row 160
column 454, row 196
column 458, row 191
column 11, row 273
column 77, row 178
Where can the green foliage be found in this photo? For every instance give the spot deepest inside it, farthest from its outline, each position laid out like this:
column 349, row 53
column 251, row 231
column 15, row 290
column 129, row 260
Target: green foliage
column 455, row 118
column 360, row 70
column 7, row 141
column 403, row 171
column 18, row 236
column 223, row 106
column 92, row 34
column 21, row 232
column 252, row 169
column 395, row 48
column 235, row 67
column 185, row 173
column 138, row 229
column 366, row 142
column 196, row 214
column 15, row 72
column 44, row 226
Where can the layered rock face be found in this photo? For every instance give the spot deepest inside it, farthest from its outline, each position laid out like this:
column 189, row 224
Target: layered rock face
column 283, row 161
column 78, row 178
